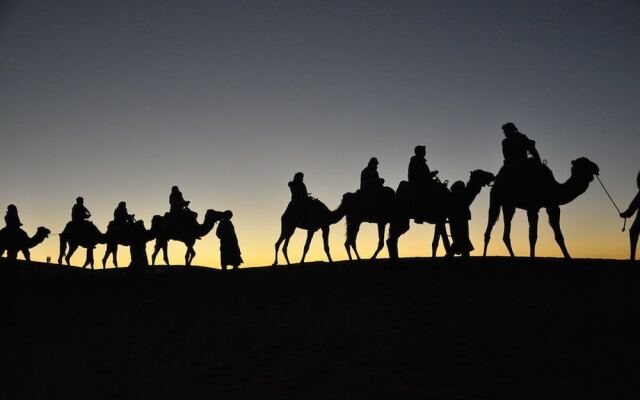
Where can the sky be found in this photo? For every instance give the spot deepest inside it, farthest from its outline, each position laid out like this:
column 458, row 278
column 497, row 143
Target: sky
column 120, row 100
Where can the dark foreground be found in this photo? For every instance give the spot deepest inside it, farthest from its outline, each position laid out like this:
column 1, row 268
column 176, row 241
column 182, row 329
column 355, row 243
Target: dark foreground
column 497, row 328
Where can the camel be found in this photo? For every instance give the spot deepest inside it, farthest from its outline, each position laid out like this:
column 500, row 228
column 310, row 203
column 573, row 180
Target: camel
column 80, row 234
column 14, row 241
column 434, row 211
column 128, row 234
column 164, row 229
column 318, row 216
column 531, row 193
column 376, row 208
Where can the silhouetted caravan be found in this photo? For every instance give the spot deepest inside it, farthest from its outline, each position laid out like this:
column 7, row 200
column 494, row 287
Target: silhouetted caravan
column 307, row 213
column 126, row 231
column 80, row 232
column 532, row 189
column 373, row 203
column 14, row 240
column 433, row 206
column 634, row 231
column 229, row 247
column 462, row 196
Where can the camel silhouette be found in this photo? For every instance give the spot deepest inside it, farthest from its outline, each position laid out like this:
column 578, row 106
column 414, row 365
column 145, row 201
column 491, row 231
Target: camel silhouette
column 80, row 234
column 127, row 234
column 537, row 190
column 316, row 216
column 16, row 240
column 165, row 228
column 434, row 210
column 376, row 208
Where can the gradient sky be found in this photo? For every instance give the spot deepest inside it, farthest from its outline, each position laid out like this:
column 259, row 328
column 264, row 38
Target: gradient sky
column 120, row 100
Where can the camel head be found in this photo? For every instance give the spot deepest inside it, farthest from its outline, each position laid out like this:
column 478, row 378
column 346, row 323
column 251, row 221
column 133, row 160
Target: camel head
column 213, row 215
column 44, row 232
column 483, row 178
column 584, row 168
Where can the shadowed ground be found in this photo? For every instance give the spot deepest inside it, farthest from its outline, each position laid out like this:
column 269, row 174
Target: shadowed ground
column 481, row 329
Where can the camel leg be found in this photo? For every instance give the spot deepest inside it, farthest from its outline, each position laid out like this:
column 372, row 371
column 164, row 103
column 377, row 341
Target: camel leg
column 554, row 221
column 107, row 253
column 285, row 250
column 634, row 232
column 325, row 241
column 115, row 256
column 285, row 234
column 494, row 213
column 532, row 215
column 435, row 242
column 396, row 229
column 352, row 237
column 27, row 254
column 508, row 213
column 156, row 250
column 440, row 232
column 63, row 249
column 307, row 243
column 72, row 249
column 12, row 255
column 381, row 229
column 165, row 252
column 190, row 255
column 89, row 259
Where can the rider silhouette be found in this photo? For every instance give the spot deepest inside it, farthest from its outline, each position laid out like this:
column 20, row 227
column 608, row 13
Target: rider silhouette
column 298, row 189
column 419, row 173
column 370, row 181
column 229, row 248
column 516, row 146
column 634, row 231
column 177, row 202
column 121, row 215
column 459, row 218
column 11, row 219
column 79, row 212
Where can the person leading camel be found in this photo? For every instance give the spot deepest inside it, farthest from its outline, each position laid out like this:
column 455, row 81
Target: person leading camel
column 229, row 247
column 461, row 199
column 634, row 231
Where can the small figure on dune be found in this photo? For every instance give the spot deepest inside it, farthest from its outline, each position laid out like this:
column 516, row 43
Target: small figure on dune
column 11, row 219
column 79, row 212
column 370, row 180
column 121, row 215
column 229, row 247
column 634, row 231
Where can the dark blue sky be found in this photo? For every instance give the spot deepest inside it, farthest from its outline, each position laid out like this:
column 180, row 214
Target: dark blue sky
column 119, row 100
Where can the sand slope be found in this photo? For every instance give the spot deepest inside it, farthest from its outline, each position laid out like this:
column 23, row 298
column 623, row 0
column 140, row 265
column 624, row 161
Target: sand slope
column 479, row 329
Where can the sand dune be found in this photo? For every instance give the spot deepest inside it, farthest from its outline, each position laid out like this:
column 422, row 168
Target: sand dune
column 481, row 329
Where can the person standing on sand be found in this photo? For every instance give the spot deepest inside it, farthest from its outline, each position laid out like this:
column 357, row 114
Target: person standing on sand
column 634, row 231
column 229, row 247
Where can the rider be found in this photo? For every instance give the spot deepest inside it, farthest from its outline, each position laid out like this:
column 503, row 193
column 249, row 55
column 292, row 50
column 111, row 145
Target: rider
column 79, row 212
column 516, row 146
column 370, row 181
column 419, row 173
column 11, row 219
column 177, row 202
column 298, row 189
column 634, row 231
column 121, row 214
